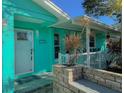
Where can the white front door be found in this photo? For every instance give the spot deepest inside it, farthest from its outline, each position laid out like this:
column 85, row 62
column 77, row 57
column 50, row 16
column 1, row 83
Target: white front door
column 24, row 56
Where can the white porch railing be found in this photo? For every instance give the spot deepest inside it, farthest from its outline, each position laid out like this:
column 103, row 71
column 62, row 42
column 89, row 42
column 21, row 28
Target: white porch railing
column 97, row 59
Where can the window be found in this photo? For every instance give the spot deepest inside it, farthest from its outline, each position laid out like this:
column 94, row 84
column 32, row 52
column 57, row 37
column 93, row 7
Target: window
column 21, row 35
column 92, row 41
column 56, row 45
column 56, row 39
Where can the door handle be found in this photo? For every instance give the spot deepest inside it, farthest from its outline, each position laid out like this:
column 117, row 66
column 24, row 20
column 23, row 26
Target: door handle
column 31, row 57
column 31, row 51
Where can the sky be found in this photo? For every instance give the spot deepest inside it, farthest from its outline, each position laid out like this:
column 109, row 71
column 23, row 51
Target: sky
column 73, row 8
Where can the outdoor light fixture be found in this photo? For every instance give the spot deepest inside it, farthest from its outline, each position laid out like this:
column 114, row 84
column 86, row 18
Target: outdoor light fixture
column 37, row 33
column 4, row 23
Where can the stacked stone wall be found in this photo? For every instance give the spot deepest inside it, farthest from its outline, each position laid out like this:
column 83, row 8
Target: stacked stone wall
column 64, row 75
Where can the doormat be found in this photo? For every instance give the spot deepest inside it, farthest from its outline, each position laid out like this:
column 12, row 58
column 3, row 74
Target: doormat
column 27, row 79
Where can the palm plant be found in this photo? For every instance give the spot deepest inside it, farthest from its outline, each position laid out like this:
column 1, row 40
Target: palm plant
column 115, row 57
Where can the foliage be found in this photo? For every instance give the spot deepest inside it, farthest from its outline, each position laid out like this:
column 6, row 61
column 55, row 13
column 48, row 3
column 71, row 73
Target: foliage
column 114, row 53
column 72, row 43
column 103, row 8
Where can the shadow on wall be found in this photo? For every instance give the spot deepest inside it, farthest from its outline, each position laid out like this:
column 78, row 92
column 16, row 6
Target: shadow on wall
column 7, row 85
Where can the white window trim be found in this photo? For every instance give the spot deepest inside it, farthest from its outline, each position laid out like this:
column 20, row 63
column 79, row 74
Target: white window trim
column 94, row 41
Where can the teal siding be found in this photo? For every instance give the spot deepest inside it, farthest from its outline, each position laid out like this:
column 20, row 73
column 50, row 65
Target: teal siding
column 43, row 52
column 100, row 41
column 30, row 9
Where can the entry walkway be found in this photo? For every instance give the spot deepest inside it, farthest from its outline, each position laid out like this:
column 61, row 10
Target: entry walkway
column 40, row 83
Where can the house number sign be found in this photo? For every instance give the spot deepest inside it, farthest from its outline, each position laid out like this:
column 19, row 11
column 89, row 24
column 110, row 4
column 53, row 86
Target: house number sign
column 42, row 41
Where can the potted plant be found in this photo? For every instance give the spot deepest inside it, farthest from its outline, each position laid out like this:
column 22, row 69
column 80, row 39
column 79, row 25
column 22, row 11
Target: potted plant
column 72, row 43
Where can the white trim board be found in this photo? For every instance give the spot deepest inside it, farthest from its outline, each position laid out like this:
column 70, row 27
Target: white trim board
column 54, row 9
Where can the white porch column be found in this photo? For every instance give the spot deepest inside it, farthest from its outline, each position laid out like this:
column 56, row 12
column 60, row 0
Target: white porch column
column 87, row 45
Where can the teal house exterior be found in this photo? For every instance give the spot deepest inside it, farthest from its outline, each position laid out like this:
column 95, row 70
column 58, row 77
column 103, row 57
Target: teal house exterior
column 33, row 36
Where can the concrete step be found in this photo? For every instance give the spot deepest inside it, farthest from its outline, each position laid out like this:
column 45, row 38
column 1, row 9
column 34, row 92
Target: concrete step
column 90, row 87
column 33, row 84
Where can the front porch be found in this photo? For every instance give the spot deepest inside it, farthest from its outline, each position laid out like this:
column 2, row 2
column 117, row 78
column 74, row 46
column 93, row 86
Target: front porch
column 93, row 52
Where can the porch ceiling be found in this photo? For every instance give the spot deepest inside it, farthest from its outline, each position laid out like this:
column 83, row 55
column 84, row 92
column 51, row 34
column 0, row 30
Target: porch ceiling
column 68, row 25
column 28, row 19
column 94, row 24
column 32, row 20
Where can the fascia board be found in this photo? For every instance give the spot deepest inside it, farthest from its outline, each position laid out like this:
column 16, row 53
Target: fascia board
column 53, row 9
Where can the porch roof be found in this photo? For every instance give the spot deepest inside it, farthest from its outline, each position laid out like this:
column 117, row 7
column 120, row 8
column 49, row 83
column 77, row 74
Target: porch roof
column 75, row 24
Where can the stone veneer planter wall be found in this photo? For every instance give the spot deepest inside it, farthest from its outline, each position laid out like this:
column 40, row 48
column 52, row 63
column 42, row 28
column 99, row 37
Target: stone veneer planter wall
column 64, row 75
column 105, row 78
